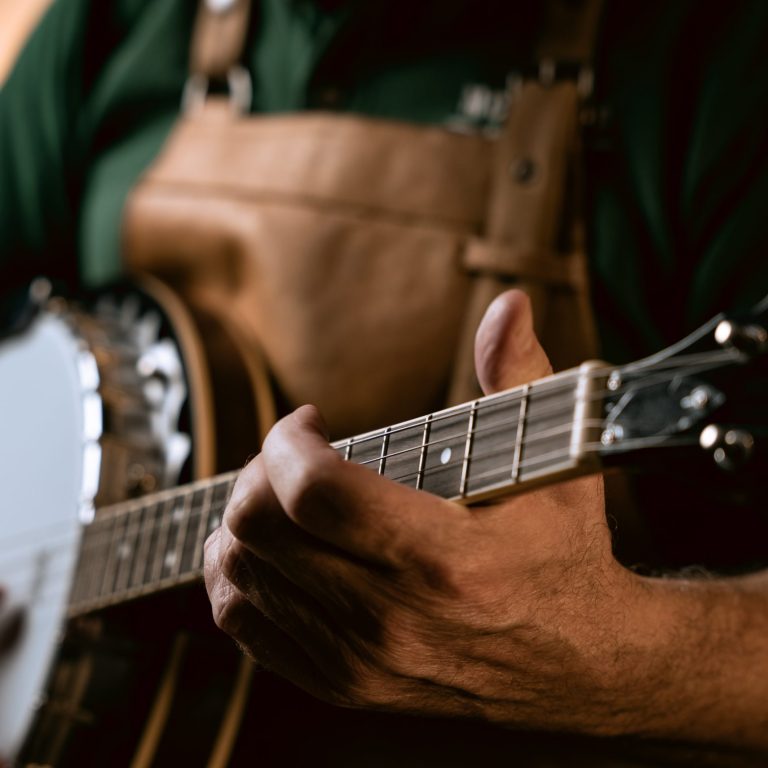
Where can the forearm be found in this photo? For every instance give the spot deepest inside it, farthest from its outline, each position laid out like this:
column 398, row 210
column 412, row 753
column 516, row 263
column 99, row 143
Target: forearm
column 695, row 666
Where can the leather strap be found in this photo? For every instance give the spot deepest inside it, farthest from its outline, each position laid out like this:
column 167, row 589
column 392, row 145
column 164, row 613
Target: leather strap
column 534, row 236
column 525, row 263
column 570, row 30
column 218, row 37
column 533, row 207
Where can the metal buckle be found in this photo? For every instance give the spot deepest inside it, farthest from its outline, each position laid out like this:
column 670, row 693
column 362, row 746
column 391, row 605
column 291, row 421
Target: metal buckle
column 240, row 91
column 552, row 71
column 220, row 6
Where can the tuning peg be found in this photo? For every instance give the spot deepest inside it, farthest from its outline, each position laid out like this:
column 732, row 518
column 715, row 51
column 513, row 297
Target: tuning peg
column 750, row 338
column 730, row 448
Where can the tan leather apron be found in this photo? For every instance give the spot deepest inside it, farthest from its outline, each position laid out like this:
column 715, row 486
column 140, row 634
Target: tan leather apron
column 350, row 259
column 358, row 255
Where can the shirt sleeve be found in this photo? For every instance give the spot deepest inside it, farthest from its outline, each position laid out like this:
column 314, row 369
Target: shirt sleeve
column 725, row 192
column 39, row 148
column 679, row 173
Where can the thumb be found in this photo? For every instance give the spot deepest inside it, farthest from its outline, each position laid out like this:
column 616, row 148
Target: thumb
column 507, row 352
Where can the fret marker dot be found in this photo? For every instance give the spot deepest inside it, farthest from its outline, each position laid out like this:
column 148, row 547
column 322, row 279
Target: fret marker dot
column 445, row 456
column 169, row 560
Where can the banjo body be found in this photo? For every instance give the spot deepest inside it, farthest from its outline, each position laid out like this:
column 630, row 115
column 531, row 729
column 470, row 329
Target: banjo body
column 99, row 403
column 52, row 410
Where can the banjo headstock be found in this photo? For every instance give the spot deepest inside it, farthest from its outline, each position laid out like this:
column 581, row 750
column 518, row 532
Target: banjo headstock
column 703, row 396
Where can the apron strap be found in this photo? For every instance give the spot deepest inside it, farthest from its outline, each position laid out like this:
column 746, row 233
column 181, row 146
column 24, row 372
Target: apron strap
column 534, row 237
column 218, row 37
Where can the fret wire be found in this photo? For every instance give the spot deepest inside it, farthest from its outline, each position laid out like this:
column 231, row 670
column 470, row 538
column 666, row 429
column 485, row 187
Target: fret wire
column 197, row 554
column 541, row 435
column 467, row 450
column 560, row 383
column 181, row 532
column 77, row 585
column 125, row 563
column 564, row 383
column 525, row 464
column 101, row 549
column 88, row 562
column 162, row 522
column 553, row 457
column 108, row 579
column 348, row 449
column 141, row 565
column 162, row 538
column 216, row 511
column 158, row 497
column 519, row 435
column 83, row 569
column 556, row 456
column 384, row 448
column 423, row 452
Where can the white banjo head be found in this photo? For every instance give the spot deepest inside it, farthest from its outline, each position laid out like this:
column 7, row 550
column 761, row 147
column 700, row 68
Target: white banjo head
column 59, row 379
column 50, row 422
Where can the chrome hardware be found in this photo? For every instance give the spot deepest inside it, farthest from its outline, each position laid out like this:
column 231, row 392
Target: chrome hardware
column 143, row 389
column 730, row 448
column 612, row 434
column 751, row 338
column 240, row 91
column 220, row 6
column 547, row 72
column 654, row 412
column 614, row 381
column 697, row 400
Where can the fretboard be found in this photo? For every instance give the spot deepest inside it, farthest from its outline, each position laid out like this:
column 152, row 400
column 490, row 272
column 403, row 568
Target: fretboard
column 146, row 545
column 489, row 447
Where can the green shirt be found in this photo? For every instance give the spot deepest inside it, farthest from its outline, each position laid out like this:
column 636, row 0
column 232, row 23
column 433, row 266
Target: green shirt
column 677, row 187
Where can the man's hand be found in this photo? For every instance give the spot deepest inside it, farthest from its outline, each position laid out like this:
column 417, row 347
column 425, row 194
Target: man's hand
column 367, row 593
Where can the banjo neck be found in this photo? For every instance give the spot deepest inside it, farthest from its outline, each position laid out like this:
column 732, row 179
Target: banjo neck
column 572, row 423
column 538, row 433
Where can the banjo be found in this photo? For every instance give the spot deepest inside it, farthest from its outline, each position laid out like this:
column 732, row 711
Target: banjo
column 103, row 405
column 100, row 403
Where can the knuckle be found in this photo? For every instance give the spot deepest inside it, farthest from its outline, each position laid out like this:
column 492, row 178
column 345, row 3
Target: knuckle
column 315, row 483
column 232, row 563
column 237, row 516
column 227, row 608
column 242, row 506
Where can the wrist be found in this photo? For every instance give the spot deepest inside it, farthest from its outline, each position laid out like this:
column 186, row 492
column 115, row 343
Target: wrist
column 690, row 659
